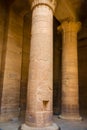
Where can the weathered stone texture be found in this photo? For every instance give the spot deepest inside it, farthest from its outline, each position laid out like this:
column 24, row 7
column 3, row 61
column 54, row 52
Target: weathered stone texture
column 3, row 23
column 1, row 43
column 70, row 88
column 15, row 35
column 52, row 127
column 40, row 81
column 39, row 112
column 12, row 68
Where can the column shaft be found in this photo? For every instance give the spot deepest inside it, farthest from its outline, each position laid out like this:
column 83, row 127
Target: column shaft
column 39, row 107
column 40, row 85
column 70, row 97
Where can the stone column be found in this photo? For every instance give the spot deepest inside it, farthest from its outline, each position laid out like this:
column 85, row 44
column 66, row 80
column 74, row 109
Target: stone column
column 40, row 81
column 70, row 90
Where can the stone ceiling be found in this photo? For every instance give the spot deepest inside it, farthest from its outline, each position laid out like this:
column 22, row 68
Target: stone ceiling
column 66, row 9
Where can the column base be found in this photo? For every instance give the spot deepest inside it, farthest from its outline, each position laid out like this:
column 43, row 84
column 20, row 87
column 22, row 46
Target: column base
column 66, row 117
column 52, row 127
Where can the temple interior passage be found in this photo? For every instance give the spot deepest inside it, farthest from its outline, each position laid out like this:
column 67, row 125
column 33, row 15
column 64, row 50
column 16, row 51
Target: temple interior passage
column 43, row 64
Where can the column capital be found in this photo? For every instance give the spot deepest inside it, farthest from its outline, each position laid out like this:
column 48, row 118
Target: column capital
column 50, row 3
column 69, row 26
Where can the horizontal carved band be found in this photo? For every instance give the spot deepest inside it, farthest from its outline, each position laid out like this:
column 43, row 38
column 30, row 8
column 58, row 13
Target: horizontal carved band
column 50, row 3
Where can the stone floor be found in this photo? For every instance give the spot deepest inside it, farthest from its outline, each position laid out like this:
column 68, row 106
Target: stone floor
column 63, row 124
column 71, row 125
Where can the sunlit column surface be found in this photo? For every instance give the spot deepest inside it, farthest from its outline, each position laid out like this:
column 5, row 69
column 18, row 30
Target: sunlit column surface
column 40, row 82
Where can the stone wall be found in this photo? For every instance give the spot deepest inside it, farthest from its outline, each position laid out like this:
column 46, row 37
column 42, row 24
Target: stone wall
column 2, row 23
column 12, row 54
column 3, row 35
